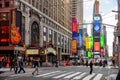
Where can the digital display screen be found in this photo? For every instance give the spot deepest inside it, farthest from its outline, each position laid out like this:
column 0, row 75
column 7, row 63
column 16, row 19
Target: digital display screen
column 74, row 25
column 96, row 46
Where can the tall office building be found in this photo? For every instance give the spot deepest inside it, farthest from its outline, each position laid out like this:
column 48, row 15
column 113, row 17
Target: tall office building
column 77, row 15
column 43, row 22
column 77, row 12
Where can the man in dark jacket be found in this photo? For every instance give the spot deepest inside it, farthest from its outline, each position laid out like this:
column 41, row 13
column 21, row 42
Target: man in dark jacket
column 91, row 67
column 21, row 66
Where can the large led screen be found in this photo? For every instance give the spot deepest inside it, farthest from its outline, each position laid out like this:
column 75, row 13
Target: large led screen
column 102, row 38
column 96, row 46
column 96, row 27
column 80, row 38
column 74, row 46
column 74, row 25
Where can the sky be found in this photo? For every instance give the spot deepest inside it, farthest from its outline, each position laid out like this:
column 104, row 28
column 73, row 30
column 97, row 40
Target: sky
column 108, row 17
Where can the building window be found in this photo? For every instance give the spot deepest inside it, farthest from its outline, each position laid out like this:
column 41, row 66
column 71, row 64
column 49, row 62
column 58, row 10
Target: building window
column 0, row 5
column 6, row 4
column 35, row 33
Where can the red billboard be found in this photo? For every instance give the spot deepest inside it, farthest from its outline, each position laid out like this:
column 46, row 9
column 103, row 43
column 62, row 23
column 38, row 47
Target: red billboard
column 74, row 25
column 96, row 46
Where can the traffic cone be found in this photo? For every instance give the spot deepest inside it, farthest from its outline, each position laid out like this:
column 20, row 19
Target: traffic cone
column 64, row 64
column 7, row 65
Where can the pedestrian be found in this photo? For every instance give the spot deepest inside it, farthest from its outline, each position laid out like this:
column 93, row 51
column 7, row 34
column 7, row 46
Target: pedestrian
column 91, row 67
column 21, row 66
column 15, row 66
column 36, row 65
column 87, row 62
column 11, row 64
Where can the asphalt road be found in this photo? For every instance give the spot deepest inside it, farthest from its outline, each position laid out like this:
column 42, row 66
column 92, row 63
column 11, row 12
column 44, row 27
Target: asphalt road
column 61, row 73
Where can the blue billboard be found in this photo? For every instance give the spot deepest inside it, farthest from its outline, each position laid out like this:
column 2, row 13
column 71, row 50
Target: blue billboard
column 96, row 27
column 80, row 38
column 75, row 36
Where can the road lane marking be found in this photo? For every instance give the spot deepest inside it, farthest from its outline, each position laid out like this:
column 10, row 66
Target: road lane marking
column 89, row 76
column 47, row 73
column 80, row 76
column 19, row 74
column 62, row 75
column 98, row 77
column 54, row 74
column 69, row 76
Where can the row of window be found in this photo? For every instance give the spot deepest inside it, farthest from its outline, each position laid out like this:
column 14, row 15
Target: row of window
column 55, row 26
column 5, row 5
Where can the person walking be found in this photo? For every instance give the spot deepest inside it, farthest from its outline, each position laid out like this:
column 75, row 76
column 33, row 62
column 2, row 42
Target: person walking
column 91, row 67
column 11, row 64
column 21, row 66
column 16, row 65
column 36, row 65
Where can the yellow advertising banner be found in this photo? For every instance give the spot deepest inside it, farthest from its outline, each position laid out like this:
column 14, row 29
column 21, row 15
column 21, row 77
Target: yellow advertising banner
column 74, row 46
column 87, row 43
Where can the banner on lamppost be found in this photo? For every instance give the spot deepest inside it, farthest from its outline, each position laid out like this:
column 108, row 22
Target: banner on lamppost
column 74, row 46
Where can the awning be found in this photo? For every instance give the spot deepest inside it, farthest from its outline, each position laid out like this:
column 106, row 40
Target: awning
column 19, row 48
column 50, row 50
column 6, row 47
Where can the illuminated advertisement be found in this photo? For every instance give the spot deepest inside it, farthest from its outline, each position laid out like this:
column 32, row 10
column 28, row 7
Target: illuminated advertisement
column 102, row 38
column 89, row 54
column 74, row 46
column 75, row 36
column 102, row 51
column 97, row 19
column 91, row 41
column 96, row 46
column 32, row 51
column 4, row 29
column 96, row 27
column 80, row 38
column 74, row 25
column 87, row 43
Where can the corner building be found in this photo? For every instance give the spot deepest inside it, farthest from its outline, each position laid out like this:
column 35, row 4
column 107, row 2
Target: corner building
column 44, row 22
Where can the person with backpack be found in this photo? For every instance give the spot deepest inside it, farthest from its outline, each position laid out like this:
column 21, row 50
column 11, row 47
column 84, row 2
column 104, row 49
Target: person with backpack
column 36, row 65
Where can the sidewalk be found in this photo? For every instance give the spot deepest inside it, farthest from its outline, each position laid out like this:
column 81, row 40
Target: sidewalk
column 6, row 71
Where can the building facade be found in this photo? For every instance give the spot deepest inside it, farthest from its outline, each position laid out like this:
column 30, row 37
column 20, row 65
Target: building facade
column 44, row 22
column 117, row 38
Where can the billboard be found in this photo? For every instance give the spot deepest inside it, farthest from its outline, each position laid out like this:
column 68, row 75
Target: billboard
column 96, row 27
column 32, row 51
column 102, row 41
column 91, row 41
column 4, row 29
column 96, row 46
column 75, row 35
column 80, row 38
column 74, row 25
column 74, row 46
column 87, row 40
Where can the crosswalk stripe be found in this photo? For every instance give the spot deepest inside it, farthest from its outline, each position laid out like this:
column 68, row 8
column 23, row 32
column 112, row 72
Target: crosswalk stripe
column 98, row 77
column 47, row 73
column 19, row 74
column 80, row 76
column 54, row 74
column 89, row 76
column 69, row 76
column 62, row 75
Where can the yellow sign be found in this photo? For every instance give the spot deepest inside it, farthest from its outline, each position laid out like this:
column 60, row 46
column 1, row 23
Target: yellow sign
column 32, row 51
